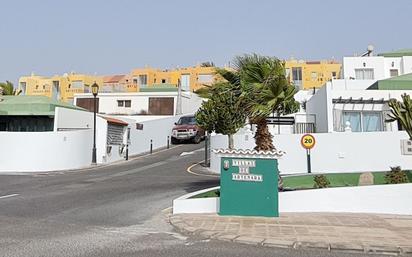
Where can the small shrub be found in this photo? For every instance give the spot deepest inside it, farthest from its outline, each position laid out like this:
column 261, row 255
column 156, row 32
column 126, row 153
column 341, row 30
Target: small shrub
column 321, row 181
column 396, row 176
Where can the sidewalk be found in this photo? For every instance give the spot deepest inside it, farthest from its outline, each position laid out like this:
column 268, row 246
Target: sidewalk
column 388, row 234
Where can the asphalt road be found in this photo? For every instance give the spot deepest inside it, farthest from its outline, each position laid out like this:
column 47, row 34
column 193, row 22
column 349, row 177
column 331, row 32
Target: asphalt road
column 111, row 211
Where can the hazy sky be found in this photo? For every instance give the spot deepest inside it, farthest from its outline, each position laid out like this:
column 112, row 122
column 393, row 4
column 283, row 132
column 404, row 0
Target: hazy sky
column 114, row 36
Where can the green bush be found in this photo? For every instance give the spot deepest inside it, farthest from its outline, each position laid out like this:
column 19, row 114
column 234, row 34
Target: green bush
column 396, row 176
column 321, row 181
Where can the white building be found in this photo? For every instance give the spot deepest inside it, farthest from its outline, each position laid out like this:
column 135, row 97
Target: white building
column 141, row 103
column 382, row 66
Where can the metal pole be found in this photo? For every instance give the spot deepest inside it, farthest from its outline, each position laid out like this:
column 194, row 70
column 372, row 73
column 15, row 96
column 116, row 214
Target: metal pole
column 308, row 160
column 151, row 146
column 168, row 144
column 206, row 140
column 94, row 133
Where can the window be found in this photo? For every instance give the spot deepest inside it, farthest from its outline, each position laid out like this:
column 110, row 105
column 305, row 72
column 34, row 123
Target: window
column 143, row 80
column 114, row 134
column 134, row 81
column 363, row 121
column 394, row 72
column 287, row 72
column 163, row 81
column 23, row 88
column 297, row 76
column 124, row 103
column 364, row 74
column 314, row 76
column 371, row 121
column 334, row 74
column 355, row 120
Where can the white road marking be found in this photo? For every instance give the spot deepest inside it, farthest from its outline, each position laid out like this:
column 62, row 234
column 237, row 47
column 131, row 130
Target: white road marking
column 192, row 152
column 186, row 153
column 189, row 169
column 8, row 196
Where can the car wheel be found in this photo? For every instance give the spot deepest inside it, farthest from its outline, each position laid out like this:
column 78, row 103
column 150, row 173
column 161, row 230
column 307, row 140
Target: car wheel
column 197, row 139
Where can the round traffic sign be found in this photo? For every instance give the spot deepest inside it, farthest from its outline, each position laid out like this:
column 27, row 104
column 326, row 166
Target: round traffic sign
column 308, row 141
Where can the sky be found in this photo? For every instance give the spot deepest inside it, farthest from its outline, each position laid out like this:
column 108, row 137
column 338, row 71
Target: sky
column 51, row 37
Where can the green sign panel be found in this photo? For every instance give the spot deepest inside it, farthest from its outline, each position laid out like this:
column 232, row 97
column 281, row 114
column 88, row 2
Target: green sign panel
column 249, row 187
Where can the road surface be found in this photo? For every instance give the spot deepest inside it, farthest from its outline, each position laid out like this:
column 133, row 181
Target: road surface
column 111, row 211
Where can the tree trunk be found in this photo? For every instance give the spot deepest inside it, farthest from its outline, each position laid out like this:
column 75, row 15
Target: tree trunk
column 263, row 138
column 231, row 142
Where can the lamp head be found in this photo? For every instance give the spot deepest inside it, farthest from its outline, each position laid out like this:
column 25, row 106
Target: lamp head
column 95, row 89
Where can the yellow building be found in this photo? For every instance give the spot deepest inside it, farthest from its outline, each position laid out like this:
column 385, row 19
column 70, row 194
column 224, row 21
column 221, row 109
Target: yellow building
column 58, row 87
column 191, row 78
column 311, row 74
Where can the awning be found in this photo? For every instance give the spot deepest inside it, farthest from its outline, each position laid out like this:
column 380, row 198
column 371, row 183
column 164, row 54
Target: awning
column 115, row 121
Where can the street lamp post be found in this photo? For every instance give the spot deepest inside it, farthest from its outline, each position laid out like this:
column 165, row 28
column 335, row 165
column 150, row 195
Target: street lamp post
column 95, row 91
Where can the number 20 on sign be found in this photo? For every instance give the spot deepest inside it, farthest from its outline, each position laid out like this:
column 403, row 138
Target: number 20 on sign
column 308, row 141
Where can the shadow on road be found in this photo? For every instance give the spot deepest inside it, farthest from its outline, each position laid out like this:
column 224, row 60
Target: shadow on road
column 199, row 185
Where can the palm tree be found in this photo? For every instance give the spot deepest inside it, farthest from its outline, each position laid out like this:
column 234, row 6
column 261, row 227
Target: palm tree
column 267, row 91
column 8, row 89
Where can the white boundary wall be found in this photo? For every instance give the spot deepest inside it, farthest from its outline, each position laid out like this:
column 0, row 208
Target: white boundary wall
column 385, row 199
column 196, row 205
column 45, row 151
column 388, row 199
column 156, row 130
column 333, row 152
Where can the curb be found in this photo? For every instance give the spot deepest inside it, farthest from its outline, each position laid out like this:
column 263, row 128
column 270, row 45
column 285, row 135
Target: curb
column 178, row 223
column 201, row 172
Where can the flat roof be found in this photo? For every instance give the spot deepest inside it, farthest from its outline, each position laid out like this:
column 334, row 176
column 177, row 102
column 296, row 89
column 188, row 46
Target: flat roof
column 397, row 53
column 403, row 82
column 24, row 105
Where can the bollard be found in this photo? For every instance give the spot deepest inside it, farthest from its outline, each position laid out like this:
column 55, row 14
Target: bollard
column 151, row 146
column 168, row 142
column 206, row 141
column 127, row 152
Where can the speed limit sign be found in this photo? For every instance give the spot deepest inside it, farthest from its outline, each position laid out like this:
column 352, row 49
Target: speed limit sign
column 308, row 141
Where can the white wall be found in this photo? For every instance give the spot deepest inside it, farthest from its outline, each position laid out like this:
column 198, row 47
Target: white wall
column 387, row 199
column 69, row 119
column 381, row 65
column 318, row 105
column 406, row 64
column 384, row 199
column 350, row 84
column 392, row 63
column 377, row 63
column 45, row 151
column 140, row 102
column 333, row 152
column 156, row 130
